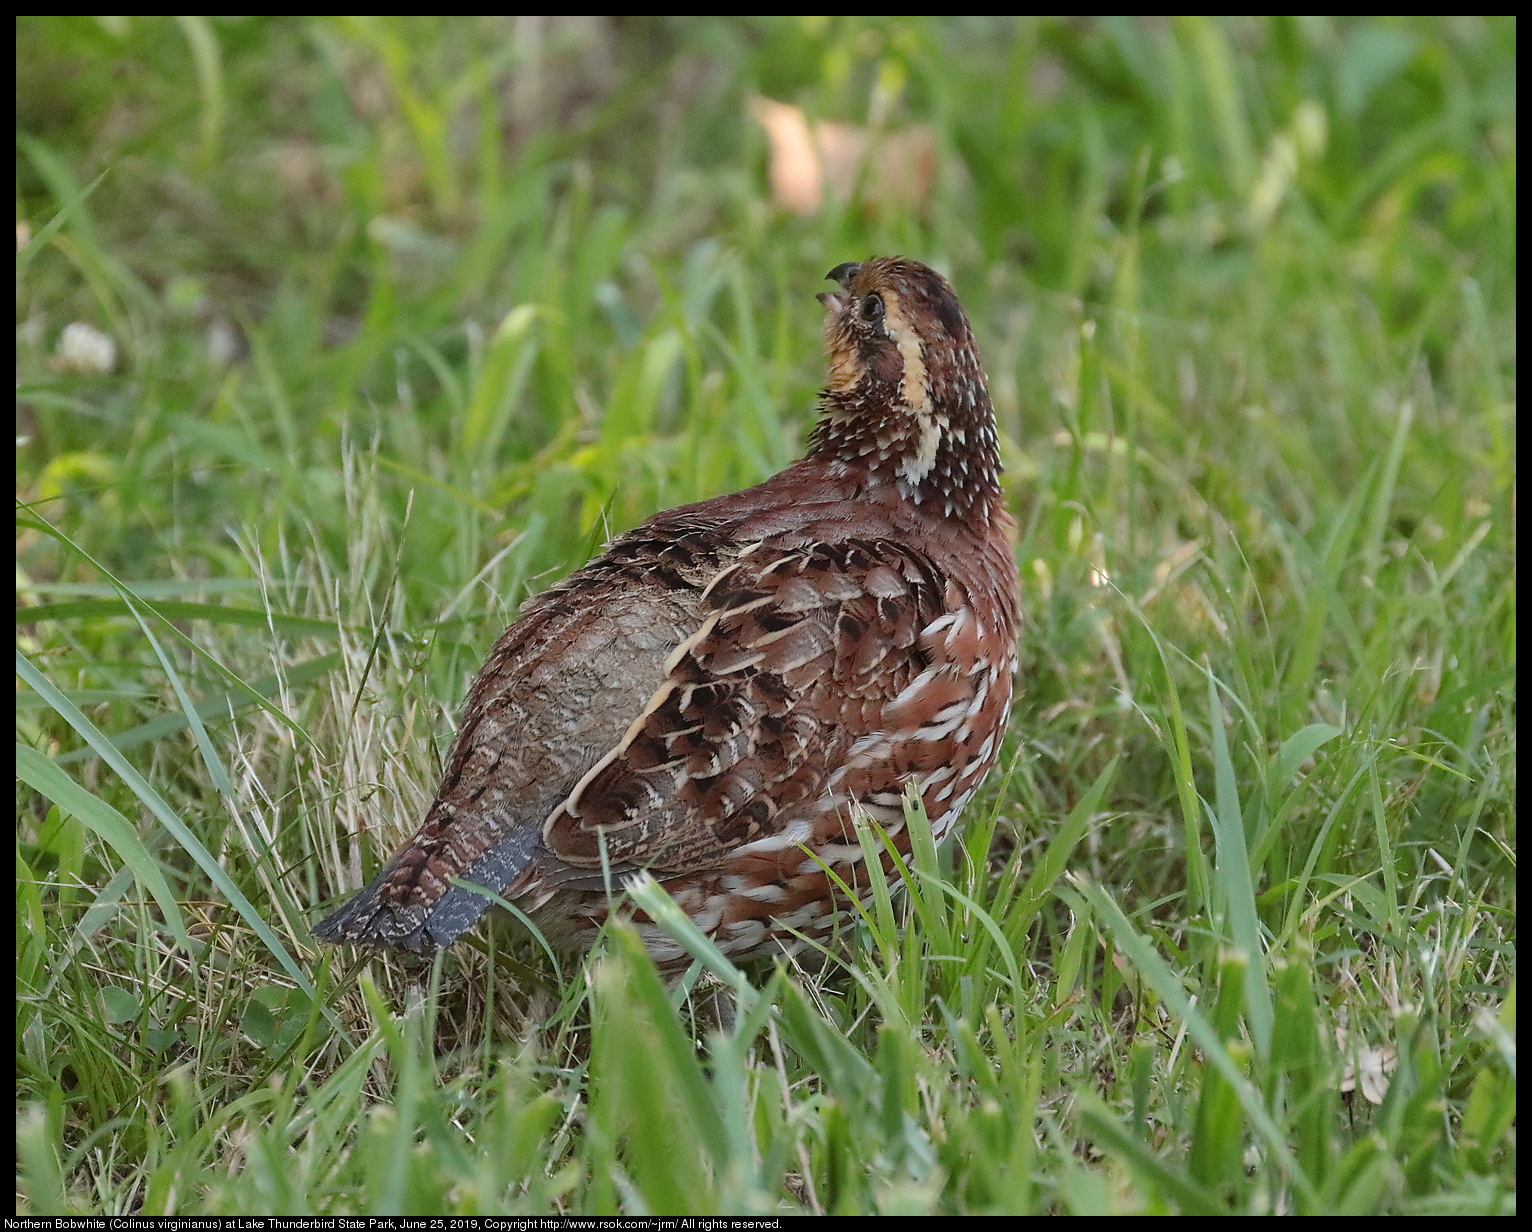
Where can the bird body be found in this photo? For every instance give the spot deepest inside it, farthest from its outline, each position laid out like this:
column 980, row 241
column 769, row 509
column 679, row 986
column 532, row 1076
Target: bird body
column 713, row 696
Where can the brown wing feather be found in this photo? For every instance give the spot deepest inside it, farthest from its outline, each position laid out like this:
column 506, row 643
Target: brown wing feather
column 798, row 657
column 554, row 694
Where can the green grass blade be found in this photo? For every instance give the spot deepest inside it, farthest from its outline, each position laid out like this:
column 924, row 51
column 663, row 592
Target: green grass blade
column 210, row 760
column 124, row 590
column 650, row 895
column 220, row 706
column 65, row 212
column 1142, row 955
column 527, row 922
column 1383, row 494
column 167, row 817
column 645, row 1074
column 1189, row 1197
column 209, row 65
column 1234, row 873
column 987, row 921
column 1385, row 848
column 213, row 613
column 1029, row 901
column 34, row 769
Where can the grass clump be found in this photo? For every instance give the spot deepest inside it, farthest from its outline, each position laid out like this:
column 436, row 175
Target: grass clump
column 337, row 338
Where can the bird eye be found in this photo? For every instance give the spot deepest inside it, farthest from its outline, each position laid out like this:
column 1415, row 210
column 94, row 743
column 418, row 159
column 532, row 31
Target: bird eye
column 872, row 308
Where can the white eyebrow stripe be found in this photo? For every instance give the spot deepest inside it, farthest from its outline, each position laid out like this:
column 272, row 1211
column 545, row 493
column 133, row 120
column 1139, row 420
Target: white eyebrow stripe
column 917, row 382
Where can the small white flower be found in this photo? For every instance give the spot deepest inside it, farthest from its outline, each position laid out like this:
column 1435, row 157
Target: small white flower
column 222, row 343
column 1368, row 1068
column 84, row 348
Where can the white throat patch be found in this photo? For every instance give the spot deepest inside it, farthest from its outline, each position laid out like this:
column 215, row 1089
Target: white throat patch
column 917, row 382
column 917, row 394
column 918, row 465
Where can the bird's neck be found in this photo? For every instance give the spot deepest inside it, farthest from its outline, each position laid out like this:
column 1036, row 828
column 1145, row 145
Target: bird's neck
column 944, row 456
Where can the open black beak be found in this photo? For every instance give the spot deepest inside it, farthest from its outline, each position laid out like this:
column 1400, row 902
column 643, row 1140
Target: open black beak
column 843, row 273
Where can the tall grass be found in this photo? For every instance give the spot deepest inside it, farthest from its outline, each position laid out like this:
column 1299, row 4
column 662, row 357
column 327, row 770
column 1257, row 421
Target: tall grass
column 409, row 315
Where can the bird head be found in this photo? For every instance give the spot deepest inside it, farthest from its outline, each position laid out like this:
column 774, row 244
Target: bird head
column 906, row 397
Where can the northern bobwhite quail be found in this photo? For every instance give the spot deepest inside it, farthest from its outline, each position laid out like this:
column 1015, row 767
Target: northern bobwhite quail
column 712, row 696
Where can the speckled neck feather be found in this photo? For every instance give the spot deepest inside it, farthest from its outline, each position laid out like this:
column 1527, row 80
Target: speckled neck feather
column 907, row 400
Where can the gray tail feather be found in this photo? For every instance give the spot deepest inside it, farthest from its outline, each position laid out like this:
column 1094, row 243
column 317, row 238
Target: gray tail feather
column 368, row 920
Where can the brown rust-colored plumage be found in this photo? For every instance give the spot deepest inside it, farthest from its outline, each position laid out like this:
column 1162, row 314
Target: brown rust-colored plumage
column 712, row 696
